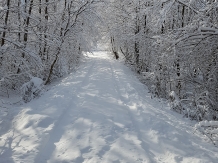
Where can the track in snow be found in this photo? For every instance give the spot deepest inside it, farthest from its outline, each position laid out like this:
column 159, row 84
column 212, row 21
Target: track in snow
column 101, row 114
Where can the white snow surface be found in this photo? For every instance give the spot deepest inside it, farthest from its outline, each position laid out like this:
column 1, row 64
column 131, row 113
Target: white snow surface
column 101, row 114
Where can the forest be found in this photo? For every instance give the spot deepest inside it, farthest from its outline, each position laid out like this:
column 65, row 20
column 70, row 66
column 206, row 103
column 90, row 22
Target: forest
column 171, row 44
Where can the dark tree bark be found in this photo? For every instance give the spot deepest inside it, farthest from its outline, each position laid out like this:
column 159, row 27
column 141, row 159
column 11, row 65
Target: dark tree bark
column 114, row 48
column 5, row 23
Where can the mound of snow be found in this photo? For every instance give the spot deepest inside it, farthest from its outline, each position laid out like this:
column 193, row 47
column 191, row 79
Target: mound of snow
column 31, row 89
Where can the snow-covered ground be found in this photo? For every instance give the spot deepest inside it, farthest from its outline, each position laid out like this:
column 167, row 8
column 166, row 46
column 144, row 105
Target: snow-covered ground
column 101, row 114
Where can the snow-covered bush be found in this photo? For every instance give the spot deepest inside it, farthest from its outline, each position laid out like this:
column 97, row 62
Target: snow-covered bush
column 175, row 102
column 210, row 129
column 199, row 106
column 150, row 80
column 31, row 89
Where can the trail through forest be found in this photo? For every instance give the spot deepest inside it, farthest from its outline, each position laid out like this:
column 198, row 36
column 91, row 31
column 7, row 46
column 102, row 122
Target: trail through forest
column 102, row 114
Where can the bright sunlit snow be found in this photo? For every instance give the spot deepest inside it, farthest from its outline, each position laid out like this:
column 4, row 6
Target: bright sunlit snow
column 101, row 114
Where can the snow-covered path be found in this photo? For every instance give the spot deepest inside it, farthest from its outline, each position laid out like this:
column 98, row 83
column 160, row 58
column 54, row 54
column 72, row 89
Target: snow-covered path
column 101, row 114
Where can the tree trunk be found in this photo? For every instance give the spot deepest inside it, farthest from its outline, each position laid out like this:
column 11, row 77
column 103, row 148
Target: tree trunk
column 5, row 23
column 114, row 48
column 45, row 50
column 137, row 30
column 27, row 22
column 52, row 67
